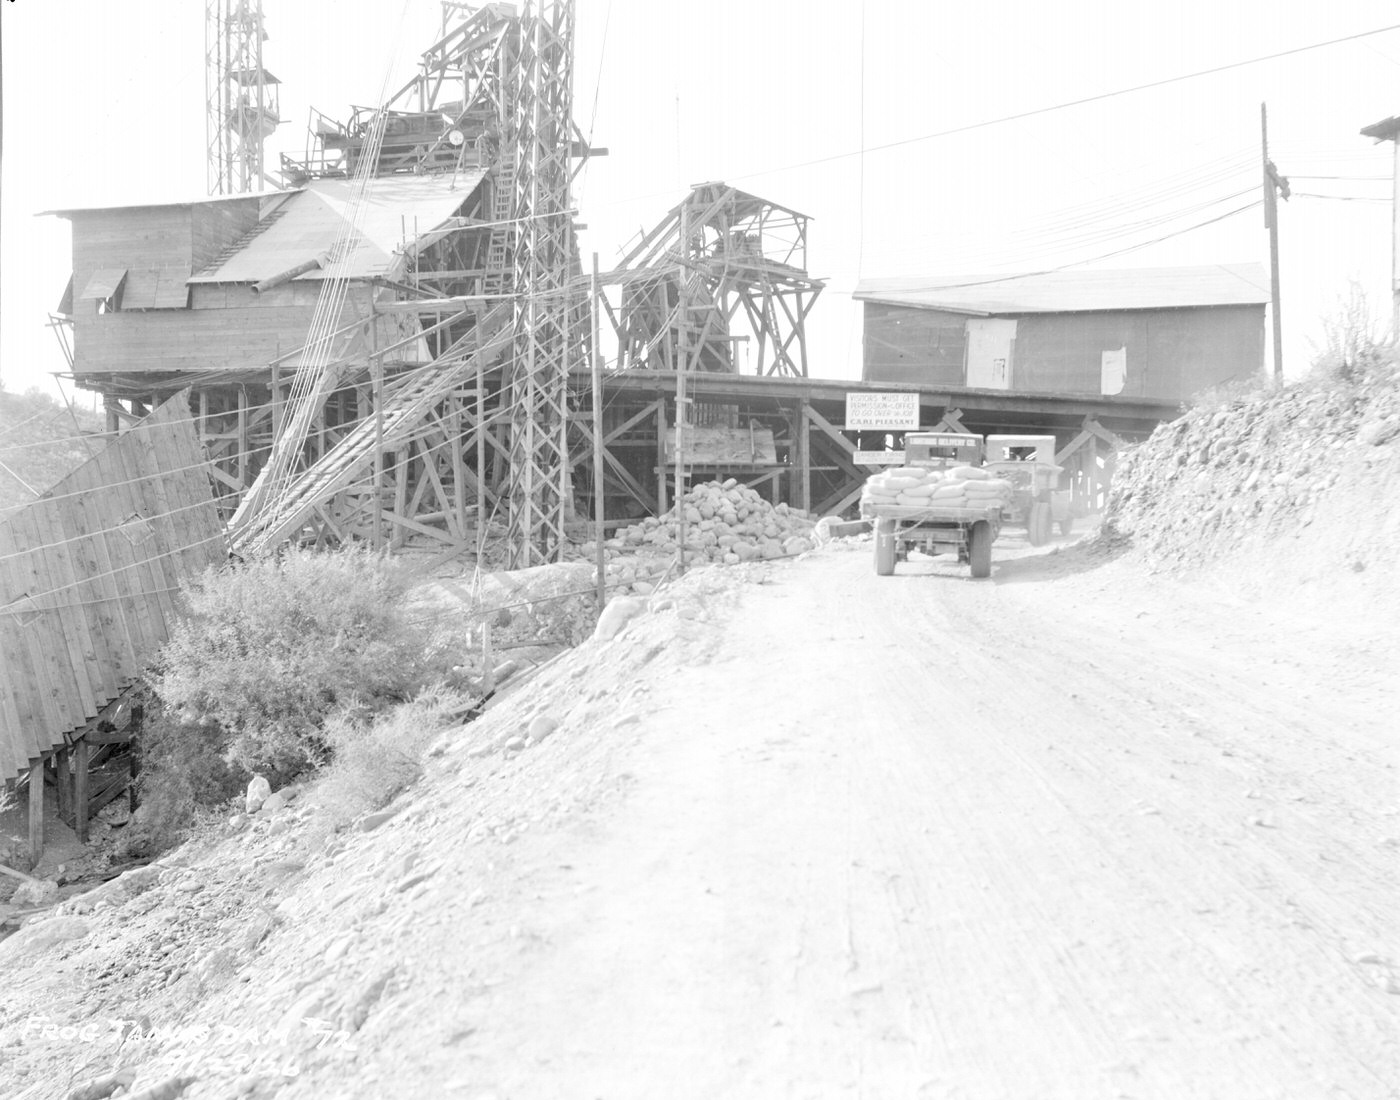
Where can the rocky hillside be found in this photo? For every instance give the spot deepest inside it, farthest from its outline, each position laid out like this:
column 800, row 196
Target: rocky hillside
column 1288, row 491
column 39, row 444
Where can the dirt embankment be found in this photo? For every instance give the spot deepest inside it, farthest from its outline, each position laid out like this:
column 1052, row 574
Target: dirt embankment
column 1290, row 493
column 1104, row 826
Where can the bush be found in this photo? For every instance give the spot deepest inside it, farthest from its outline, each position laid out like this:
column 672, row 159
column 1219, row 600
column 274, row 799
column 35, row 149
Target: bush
column 373, row 760
column 183, row 771
column 1354, row 343
column 270, row 649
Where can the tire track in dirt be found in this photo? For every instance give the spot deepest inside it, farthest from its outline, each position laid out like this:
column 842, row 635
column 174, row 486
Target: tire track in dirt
column 915, row 836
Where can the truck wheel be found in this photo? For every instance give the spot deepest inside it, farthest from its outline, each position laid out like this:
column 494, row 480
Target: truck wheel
column 979, row 549
column 1038, row 524
column 1067, row 525
column 884, row 547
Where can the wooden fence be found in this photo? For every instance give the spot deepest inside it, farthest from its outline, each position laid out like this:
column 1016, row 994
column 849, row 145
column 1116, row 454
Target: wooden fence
column 89, row 578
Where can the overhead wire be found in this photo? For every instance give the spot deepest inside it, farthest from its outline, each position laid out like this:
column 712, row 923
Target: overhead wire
column 1080, row 102
column 1094, row 259
column 1156, row 220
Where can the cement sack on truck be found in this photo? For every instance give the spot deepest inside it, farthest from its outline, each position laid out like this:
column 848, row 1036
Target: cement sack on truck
column 896, row 484
column 923, row 490
column 879, row 498
column 947, row 492
column 968, row 473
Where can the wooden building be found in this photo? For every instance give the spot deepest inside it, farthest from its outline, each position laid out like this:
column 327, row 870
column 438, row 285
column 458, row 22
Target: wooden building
column 1155, row 333
column 1010, row 350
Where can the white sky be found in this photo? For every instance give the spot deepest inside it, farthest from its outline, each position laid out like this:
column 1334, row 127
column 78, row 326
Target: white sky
column 104, row 103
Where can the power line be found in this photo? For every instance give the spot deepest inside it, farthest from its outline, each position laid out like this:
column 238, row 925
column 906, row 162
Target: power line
column 1075, row 102
column 1093, row 259
column 1338, row 198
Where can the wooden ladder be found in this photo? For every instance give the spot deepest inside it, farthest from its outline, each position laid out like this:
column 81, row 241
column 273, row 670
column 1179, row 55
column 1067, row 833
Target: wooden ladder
column 497, row 282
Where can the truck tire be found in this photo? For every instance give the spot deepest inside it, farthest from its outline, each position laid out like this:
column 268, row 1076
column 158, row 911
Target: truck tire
column 979, row 549
column 884, row 547
column 1038, row 524
column 1067, row 525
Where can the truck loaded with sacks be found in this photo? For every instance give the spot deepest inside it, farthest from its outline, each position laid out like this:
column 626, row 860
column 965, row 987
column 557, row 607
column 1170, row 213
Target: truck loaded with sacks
column 941, row 501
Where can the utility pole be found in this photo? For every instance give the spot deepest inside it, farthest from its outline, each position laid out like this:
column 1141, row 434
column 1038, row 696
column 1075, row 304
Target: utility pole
column 600, row 555
column 1274, row 184
column 682, row 325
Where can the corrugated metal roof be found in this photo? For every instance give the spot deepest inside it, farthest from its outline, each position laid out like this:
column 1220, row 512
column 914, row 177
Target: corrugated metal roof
column 252, row 196
column 1076, row 291
column 311, row 222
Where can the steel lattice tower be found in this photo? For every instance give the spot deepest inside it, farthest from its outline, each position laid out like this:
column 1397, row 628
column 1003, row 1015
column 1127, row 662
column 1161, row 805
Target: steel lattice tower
column 541, row 144
column 240, row 96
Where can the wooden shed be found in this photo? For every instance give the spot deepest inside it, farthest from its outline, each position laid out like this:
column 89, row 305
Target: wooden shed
column 1092, row 357
column 1156, row 333
column 233, row 283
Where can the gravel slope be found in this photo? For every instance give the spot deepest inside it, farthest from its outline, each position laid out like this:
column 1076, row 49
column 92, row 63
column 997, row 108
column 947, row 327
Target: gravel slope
column 1079, row 831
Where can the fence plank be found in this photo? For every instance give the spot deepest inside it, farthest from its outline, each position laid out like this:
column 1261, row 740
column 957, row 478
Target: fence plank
column 65, row 600
column 104, row 625
column 88, row 578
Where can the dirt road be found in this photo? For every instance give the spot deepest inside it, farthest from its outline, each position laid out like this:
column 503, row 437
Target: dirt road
column 1076, row 831
column 1070, row 833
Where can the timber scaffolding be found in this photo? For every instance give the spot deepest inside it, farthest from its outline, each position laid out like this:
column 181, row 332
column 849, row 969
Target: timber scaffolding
column 451, row 401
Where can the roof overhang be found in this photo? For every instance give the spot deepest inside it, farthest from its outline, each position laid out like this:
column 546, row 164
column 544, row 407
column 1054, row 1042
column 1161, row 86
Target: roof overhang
column 1105, row 291
column 1385, row 130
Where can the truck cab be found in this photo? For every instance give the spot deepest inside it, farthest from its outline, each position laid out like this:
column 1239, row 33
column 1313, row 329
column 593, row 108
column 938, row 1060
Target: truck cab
column 1037, row 502
column 943, row 450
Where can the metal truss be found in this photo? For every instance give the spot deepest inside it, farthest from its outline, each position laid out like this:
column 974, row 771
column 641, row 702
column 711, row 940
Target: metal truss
column 545, row 257
column 240, row 96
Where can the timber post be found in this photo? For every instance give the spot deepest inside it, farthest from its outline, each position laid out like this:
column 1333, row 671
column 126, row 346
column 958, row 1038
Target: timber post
column 36, row 808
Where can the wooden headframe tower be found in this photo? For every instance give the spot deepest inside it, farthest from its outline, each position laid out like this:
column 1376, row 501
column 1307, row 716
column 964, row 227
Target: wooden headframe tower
column 240, row 96
column 721, row 270
column 439, row 409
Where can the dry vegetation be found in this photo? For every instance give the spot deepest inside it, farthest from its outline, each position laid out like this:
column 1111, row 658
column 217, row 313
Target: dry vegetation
column 282, row 667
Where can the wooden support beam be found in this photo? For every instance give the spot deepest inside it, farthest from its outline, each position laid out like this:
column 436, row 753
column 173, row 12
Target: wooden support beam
column 80, row 790
column 803, row 430
column 837, row 503
column 843, row 449
column 829, row 430
column 660, row 456
column 633, row 486
column 400, row 493
column 951, row 422
column 63, row 783
column 1091, row 424
column 1063, row 455
column 36, row 808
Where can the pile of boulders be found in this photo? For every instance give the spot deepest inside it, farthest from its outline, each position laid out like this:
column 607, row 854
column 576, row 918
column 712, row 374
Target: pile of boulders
column 725, row 522
column 926, row 487
column 1261, row 467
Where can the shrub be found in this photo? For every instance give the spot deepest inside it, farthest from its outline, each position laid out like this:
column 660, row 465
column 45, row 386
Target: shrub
column 1353, row 342
column 374, row 759
column 183, row 770
column 270, row 649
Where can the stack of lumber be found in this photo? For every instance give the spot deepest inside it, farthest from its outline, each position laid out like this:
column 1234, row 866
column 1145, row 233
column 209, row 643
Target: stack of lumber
column 923, row 487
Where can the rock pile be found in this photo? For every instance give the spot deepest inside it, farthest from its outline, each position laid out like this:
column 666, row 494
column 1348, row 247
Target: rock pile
column 924, row 487
column 1310, row 466
column 725, row 522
